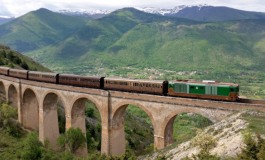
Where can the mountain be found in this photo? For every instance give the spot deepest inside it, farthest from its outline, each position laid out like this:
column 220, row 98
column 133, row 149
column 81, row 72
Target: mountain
column 205, row 13
column 89, row 13
column 101, row 36
column 201, row 12
column 38, row 29
column 214, row 14
column 4, row 20
column 134, row 39
column 14, row 59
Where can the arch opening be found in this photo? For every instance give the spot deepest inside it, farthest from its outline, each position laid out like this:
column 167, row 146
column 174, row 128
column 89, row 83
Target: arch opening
column 13, row 96
column 2, row 92
column 132, row 131
column 30, row 110
column 54, row 120
column 183, row 126
column 86, row 116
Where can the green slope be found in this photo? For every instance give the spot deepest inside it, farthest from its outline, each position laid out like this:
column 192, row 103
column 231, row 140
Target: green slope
column 99, row 38
column 38, row 29
column 160, row 44
column 14, row 59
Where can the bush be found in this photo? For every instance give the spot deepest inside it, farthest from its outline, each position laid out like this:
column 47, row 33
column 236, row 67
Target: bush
column 8, row 115
column 32, row 147
column 72, row 139
column 205, row 143
column 254, row 150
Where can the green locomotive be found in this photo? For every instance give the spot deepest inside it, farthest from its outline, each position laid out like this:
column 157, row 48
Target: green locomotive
column 204, row 90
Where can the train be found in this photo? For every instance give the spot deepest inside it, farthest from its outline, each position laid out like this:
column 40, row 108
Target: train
column 206, row 89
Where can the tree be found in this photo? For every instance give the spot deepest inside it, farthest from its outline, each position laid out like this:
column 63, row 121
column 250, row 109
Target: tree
column 24, row 65
column 8, row 114
column 249, row 152
column 261, row 147
column 205, row 142
column 72, row 139
column 32, row 147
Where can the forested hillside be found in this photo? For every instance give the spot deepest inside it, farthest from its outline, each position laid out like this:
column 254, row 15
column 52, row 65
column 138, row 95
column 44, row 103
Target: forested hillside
column 14, row 59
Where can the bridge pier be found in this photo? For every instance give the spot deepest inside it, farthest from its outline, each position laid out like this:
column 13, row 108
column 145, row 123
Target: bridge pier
column 117, row 140
column 49, row 127
column 30, row 110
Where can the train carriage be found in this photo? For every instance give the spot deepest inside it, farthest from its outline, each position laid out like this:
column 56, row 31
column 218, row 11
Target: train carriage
column 84, row 81
column 43, row 76
column 205, row 90
column 4, row 71
column 18, row 73
column 133, row 85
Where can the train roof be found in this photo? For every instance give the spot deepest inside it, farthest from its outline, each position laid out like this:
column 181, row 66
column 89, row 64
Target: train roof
column 3, row 67
column 44, row 73
column 134, row 80
column 205, row 82
column 73, row 75
column 18, row 70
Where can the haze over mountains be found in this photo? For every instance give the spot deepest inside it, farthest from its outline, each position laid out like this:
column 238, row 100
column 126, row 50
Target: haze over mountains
column 132, row 38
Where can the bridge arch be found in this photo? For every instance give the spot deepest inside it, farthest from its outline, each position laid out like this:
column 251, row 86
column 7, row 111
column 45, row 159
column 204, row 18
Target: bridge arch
column 52, row 103
column 123, row 105
column 82, row 99
column 2, row 92
column 30, row 110
column 167, row 125
column 78, row 117
column 117, row 140
column 13, row 96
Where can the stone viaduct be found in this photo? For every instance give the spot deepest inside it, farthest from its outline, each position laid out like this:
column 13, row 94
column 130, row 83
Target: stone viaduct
column 37, row 110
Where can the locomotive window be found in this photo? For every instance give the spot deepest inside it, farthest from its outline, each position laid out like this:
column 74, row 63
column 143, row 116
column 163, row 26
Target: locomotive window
column 192, row 87
column 232, row 89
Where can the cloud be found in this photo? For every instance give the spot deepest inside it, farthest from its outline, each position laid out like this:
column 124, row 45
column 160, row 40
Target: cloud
column 4, row 11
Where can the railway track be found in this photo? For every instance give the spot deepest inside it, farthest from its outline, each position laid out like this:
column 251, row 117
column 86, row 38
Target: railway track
column 251, row 101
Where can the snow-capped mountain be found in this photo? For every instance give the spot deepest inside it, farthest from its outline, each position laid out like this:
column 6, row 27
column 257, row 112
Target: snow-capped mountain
column 172, row 11
column 205, row 13
column 201, row 12
column 93, row 13
column 97, row 13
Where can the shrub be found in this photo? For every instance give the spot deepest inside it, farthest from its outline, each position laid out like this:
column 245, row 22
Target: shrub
column 32, row 147
column 205, row 142
column 254, row 150
column 72, row 139
column 8, row 115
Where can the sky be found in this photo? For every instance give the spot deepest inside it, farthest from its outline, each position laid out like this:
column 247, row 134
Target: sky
column 17, row 8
